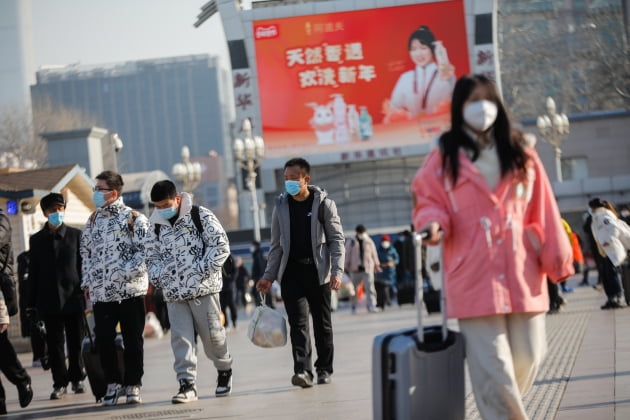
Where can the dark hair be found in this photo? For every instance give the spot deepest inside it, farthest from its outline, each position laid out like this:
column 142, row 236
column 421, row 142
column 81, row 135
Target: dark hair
column 302, row 163
column 51, row 200
column 424, row 35
column 163, row 190
column 508, row 140
column 598, row 202
column 359, row 229
column 112, row 179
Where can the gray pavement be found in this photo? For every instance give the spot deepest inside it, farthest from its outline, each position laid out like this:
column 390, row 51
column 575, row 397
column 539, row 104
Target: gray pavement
column 586, row 374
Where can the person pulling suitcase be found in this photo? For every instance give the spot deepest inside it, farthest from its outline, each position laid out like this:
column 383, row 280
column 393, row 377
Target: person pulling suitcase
column 484, row 193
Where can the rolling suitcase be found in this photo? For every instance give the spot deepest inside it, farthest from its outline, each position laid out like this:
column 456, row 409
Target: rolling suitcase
column 92, row 362
column 418, row 373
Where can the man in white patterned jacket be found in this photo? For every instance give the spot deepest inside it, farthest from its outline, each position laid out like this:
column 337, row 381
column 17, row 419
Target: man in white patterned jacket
column 114, row 278
column 185, row 256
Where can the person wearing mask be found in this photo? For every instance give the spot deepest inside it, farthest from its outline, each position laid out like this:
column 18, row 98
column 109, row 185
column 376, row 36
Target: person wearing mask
column 362, row 262
column 115, row 279
column 10, row 365
column 56, row 296
column 306, row 256
column 187, row 250
column 388, row 258
column 485, row 195
column 610, row 234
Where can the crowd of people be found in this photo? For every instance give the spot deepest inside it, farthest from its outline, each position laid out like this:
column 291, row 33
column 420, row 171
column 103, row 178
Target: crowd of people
column 482, row 194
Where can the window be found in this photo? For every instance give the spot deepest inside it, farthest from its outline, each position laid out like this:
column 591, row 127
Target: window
column 574, row 168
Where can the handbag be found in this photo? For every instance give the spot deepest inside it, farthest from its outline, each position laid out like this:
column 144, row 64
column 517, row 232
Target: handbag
column 7, row 284
column 267, row 328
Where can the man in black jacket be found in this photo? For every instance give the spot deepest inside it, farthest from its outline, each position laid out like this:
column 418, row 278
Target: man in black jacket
column 55, row 280
column 9, row 363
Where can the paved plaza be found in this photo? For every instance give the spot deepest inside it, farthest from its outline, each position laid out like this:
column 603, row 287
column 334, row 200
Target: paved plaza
column 586, row 374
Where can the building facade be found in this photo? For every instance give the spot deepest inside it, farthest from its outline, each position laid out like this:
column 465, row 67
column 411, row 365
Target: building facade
column 155, row 106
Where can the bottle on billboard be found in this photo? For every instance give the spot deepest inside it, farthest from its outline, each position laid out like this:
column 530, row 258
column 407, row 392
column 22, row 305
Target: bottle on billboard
column 441, row 56
column 342, row 132
column 353, row 121
column 365, row 124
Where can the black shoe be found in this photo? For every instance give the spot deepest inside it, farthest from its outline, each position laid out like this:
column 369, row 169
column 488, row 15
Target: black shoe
column 58, row 393
column 224, row 383
column 323, row 377
column 25, row 394
column 302, row 379
column 611, row 304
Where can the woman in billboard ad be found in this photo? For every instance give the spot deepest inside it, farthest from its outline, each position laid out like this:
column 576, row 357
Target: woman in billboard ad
column 427, row 88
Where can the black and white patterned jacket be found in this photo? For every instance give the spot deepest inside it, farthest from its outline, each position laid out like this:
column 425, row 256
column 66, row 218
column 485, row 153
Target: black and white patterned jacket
column 114, row 257
column 177, row 261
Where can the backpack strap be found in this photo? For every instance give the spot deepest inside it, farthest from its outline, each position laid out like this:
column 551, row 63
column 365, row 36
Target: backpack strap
column 131, row 221
column 92, row 219
column 156, row 229
column 196, row 218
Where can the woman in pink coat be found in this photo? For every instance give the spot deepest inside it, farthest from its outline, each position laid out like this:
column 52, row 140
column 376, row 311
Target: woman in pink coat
column 484, row 193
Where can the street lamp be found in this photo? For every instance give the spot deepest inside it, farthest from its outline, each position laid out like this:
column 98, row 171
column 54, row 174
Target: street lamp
column 248, row 153
column 554, row 129
column 187, row 173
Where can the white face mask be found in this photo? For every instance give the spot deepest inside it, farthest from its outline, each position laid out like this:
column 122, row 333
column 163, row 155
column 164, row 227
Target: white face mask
column 480, row 115
column 385, row 244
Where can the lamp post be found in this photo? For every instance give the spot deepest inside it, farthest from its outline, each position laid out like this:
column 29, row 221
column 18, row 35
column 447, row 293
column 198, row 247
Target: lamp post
column 187, row 173
column 554, row 129
column 248, row 153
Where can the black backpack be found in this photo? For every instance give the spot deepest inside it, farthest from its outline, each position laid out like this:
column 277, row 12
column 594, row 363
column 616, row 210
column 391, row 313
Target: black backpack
column 228, row 265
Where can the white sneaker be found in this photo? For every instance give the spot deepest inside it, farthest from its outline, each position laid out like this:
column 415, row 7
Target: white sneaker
column 133, row 394
column 187, row 392
column 112, row 394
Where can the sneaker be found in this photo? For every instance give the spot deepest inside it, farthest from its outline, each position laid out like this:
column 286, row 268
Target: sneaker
column 112, row 394
column 78, row 387
column 302, row 379
column 187, row 392
column 224, row 383
column 133, row 394
column 323, row 377
column 58, row 393
column 25, row 394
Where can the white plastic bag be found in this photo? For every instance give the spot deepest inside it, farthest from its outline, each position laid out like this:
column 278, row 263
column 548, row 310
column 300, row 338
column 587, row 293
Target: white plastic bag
column 267, row 328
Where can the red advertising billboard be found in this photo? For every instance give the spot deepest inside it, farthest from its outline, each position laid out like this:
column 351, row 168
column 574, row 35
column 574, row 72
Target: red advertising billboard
column 358, row 79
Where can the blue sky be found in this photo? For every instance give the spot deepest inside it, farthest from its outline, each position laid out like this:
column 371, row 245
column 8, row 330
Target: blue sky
column 100, row 32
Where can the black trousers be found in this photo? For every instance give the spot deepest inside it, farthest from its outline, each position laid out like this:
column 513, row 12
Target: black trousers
column 302, row 292
column 130, row 313
column 10, row 365
column 228, row 301
column 610, row 279
column 68, row 329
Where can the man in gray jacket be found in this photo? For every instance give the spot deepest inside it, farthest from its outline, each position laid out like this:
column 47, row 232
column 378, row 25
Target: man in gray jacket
column 306, row 257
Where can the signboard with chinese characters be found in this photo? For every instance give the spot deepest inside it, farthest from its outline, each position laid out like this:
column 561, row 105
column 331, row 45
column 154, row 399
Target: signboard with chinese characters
column 359, row 80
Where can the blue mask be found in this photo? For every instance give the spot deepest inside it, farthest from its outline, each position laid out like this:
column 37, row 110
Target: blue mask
column 167, row 213
column 292, row 187
column 99, row 198
column 56, row 219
